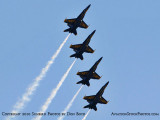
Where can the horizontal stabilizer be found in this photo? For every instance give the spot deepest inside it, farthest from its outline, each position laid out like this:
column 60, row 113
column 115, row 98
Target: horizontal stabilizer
column 77, row 56
column 91, row 107
column 95, row 108
column 67, row 30
column 83, row 82
column 75, row 32
column 79, row 82
column 87, row 106
column 70, row 31
column 74, row 55
column 81, row 57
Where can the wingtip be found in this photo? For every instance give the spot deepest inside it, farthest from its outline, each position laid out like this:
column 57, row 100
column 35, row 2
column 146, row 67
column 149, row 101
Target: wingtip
column 100, row 77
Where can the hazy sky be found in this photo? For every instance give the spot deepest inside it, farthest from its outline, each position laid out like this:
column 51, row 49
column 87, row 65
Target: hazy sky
column 127, row 36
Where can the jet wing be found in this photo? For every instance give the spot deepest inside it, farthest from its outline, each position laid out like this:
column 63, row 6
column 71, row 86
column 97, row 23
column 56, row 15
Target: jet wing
column 84, row 73
column 89, row 50
column 89, row 98
column 103, row 101
column 83, row 25
column 69, row 20
column 76, row 47
column 95, row 76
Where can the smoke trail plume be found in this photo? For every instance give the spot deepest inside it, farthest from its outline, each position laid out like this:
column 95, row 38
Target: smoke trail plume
column 53, row 93
column 70, row 103
column 86, row 114
column 26, row 96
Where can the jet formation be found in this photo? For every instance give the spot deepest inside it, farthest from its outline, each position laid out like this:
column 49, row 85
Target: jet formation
column 79, row 49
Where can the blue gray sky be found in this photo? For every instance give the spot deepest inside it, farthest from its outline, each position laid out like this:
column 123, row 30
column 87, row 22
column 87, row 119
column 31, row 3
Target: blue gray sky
column 127, row 36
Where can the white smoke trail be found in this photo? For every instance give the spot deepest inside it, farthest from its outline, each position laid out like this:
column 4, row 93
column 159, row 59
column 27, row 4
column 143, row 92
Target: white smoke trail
column 53, row 93
column 26, row 96
column 70, row 103
column 86, row 114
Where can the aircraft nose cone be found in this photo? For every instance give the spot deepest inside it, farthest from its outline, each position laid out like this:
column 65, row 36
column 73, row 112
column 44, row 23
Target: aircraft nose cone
column 104, row 87
column 94, row 31
column 107, row 83
column 88, row 6
column 100, row 59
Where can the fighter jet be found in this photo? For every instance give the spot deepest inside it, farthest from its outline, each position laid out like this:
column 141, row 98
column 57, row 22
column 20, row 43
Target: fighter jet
column 81, row 48
column 91, row 74
column 76, row 22
column 94, row 99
